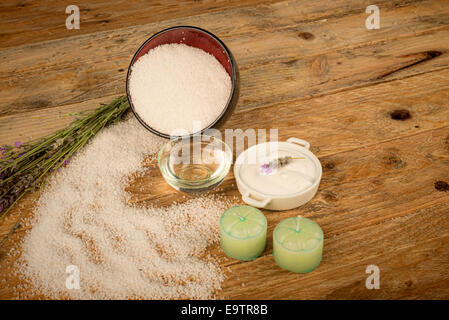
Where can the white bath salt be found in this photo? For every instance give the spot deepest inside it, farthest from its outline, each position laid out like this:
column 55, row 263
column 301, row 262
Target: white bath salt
column 174, row 85
column 83, row 219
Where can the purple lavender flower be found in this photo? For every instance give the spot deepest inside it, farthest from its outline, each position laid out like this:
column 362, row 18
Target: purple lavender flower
column 17, row 144
column 4, row 149
column 266, row 169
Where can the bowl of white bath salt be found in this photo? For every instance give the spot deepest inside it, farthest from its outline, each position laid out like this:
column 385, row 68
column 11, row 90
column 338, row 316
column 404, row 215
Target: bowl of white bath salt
column 182, row 81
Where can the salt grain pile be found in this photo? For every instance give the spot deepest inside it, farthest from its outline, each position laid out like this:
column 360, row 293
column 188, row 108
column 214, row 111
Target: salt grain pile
column 122, row 252
column 175, row 85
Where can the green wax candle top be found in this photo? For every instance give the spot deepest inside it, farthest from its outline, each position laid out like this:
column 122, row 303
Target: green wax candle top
column 298, row 234
column 243, row 222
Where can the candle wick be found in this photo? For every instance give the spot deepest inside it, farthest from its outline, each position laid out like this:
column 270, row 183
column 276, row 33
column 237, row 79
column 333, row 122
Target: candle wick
column 298, row 218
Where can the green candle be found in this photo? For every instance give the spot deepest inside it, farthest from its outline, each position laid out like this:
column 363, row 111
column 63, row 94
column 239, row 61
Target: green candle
column 298, row 244
column 243, row 232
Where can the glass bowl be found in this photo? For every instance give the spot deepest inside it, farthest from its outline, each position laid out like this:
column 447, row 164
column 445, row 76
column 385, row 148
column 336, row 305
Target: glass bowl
column 194, row 164
column 201, row 39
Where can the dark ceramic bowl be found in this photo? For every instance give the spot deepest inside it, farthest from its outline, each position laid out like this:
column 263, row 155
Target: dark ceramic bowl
column 198, row 38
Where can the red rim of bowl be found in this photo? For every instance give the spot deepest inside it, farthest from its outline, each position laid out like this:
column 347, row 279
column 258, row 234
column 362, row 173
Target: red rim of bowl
column 233, row 79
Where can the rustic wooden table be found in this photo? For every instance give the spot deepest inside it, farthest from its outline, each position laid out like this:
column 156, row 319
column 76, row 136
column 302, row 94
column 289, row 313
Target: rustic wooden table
column 309, row 68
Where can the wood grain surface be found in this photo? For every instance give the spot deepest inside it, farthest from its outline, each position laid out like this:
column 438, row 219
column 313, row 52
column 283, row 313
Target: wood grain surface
column 310, row 69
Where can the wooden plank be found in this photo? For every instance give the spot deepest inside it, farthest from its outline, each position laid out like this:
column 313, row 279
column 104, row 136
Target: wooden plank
column 324, row 74
column 375, row 212
column 361, row 176
column 365, row 218
column 414, row 271
column 272, row 67
column 404, row 265
column 356, row 118
column 312, row 71
column 359, row 188
column 387, row 192
column 27, row 126
column 341, row 121
column 369, row 185
column 43, row 20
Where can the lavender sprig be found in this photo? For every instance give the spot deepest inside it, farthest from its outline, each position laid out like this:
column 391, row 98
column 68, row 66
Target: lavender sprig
column 270, row 167
column 24, row 167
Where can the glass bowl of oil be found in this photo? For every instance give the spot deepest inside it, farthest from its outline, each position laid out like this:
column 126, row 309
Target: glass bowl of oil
column 195, row 164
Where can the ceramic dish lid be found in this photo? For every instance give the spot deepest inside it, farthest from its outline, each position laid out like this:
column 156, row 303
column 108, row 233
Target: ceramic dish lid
column 277, row 170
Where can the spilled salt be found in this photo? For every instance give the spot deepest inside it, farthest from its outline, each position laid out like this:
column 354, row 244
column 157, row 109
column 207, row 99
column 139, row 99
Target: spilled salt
column 174, row 85
column 83, row 219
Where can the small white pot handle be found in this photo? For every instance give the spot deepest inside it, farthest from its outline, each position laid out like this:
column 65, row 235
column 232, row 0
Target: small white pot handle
column 301, row 142
column 253, row 202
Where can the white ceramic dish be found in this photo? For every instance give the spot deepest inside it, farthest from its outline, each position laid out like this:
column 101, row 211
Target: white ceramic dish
column 258, row 196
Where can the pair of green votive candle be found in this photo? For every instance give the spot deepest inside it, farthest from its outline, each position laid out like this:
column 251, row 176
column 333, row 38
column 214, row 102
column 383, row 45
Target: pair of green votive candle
column 297, row 241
